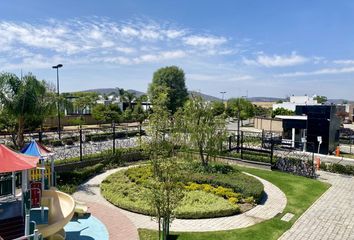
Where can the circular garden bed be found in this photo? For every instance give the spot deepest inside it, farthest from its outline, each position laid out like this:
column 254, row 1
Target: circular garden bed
column 221, row 190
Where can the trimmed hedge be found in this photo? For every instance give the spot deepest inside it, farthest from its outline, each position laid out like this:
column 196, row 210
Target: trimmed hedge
column 68, row 181
column 337, row 168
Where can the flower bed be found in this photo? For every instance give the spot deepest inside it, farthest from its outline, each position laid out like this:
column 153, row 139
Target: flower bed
column 206, row 195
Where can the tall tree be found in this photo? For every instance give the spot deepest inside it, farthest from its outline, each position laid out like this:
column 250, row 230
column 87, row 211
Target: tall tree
column 204, row 130
column 218, row 108
column 26, row 100
column 172, row 78
column 240, row 108
column 166, row 191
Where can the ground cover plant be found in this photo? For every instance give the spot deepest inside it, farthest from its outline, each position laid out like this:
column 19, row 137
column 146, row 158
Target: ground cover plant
column 301, row 193
column 219, row 190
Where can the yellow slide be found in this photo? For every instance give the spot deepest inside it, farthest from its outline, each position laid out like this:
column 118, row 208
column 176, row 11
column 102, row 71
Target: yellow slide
column 61, row 209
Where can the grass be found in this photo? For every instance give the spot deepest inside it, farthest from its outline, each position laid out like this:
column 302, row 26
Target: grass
column 301, row 193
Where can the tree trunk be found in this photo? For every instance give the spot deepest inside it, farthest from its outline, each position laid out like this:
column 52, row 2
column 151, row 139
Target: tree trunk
column 20, row 132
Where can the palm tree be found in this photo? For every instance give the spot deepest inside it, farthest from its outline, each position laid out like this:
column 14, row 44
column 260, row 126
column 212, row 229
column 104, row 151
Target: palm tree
column 24, row 99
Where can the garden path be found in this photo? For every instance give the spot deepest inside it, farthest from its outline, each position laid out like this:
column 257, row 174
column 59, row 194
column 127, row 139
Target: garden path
column 331, row 217
column 273, row 203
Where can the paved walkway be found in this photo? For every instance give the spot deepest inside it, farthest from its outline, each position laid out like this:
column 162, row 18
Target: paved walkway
column 331, row 217
column 274, row 203
column 117, row 224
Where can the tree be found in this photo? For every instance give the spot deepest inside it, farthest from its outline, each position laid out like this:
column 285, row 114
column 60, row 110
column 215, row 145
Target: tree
column 204, row 130
column 27, row 100
column 240, row 108
column 282, row 111
column 106, row 114
column 126, row 97
column 218, row 108
column 320, row 99
column 84, row 100
column 260, row 111
column 172, row 78
column 165, row 189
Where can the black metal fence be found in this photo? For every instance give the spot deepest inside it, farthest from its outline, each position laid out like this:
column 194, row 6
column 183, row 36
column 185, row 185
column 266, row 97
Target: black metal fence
column 84, row 142
column 270, row 147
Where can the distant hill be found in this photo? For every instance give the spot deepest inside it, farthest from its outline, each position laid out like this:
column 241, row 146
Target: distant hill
column 204, row 96
column 265, row 99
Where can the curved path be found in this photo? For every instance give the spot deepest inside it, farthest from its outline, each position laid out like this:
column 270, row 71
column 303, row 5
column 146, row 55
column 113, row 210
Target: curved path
column 118, row 225
column 273, row 203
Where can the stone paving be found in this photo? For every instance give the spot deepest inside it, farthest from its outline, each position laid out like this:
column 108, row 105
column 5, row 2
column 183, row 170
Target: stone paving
column 118, row 225
column 273, row 204
column 331, row 217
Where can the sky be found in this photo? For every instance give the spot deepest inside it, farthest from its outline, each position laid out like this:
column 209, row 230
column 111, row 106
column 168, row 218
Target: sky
column 245, row 48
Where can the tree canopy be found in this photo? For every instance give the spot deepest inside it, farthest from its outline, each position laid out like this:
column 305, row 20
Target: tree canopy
column 27, row 100
column 205, row 131
column 282, row 111
column 240, row 106
column 172, row 78
column 320, row 99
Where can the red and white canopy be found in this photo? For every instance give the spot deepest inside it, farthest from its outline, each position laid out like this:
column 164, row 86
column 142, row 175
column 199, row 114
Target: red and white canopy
column 10, row 161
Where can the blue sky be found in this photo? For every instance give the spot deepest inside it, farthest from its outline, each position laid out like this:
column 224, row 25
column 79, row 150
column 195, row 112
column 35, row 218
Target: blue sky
column 263, row 48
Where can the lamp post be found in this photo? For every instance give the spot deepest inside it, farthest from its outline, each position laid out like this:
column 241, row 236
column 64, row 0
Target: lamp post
column 222, row 96
column 57, row 68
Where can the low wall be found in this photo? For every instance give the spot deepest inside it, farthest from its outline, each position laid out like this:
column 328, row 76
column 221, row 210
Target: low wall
column 268, row 124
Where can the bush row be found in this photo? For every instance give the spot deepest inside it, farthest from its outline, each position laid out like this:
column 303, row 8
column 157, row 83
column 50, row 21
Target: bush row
column 68, row 181
column 337, row 168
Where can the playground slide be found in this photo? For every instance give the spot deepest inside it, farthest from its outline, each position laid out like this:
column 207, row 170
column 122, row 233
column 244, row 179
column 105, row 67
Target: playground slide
column 61, row 210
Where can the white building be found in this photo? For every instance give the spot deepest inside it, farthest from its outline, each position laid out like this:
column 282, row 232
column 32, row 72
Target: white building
column 296, row 101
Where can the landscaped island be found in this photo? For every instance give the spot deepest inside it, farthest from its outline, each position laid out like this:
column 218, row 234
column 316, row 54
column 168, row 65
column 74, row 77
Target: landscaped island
column 220, row 190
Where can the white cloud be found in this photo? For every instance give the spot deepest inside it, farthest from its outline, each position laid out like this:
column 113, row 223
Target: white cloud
column 344, row 61
column 276, row 60
column 102, row 40
column 324, row 71
column 160, row 56
column 204, row 41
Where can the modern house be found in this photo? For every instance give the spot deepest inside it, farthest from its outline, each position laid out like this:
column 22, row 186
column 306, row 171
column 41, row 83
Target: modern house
column 316, row 126
column 296, row 101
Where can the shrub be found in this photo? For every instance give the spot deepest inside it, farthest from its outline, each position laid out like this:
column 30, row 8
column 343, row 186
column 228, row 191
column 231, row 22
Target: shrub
column 78, row 176
column 199, row 204
column 338, row 168
column 56, row 143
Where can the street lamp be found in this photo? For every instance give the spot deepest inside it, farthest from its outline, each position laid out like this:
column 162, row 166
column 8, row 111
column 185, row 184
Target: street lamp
column 57, row 68
column 222, row 96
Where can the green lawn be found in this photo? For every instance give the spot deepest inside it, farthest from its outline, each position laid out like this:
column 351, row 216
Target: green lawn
column 300, row 192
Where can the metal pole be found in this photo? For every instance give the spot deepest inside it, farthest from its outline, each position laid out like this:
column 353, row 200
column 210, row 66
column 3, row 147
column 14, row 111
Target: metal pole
column 58, row 94
column 27, row 224
column 80, row 143
column 241, row 145
column 114, row 136
column 238, row 132
column 13, row 184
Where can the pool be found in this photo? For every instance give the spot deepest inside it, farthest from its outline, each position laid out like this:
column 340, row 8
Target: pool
column 86, row 228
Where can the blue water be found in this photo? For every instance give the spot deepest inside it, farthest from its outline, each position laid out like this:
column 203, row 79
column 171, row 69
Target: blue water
column 86, row 228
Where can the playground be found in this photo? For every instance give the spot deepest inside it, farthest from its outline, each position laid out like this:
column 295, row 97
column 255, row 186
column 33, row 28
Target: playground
column 31, row 207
